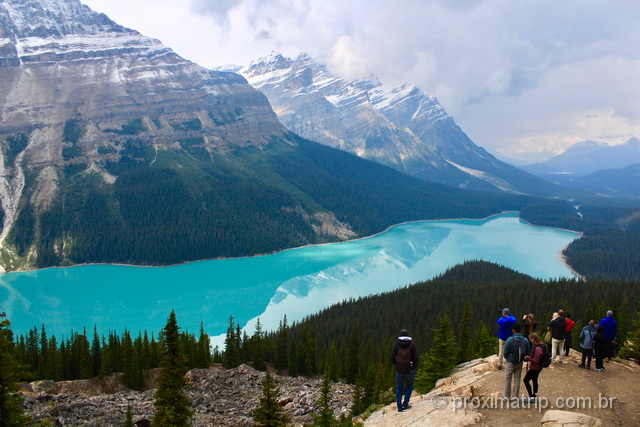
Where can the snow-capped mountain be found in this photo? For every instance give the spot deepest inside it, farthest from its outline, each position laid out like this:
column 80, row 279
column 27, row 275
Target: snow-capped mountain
column 587, row 157
column 401, row 127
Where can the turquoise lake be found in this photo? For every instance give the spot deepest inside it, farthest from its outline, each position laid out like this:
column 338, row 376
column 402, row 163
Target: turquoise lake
column 295, row 282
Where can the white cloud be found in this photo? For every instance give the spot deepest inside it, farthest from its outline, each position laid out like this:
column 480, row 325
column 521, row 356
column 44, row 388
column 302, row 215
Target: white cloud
column 518, row 76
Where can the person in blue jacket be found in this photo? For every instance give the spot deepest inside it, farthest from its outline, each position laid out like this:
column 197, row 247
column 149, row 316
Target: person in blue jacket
column 610, row 332
column 505, row 323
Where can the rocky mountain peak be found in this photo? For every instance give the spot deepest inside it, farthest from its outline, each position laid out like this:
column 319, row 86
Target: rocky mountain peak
column 53, row 18
column 402, row 127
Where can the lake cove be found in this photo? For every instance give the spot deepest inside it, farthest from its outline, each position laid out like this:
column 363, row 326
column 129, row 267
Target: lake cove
column 295, row 282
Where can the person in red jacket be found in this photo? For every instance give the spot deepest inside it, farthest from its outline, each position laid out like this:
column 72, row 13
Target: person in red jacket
column 535, row 366
column 568, row 340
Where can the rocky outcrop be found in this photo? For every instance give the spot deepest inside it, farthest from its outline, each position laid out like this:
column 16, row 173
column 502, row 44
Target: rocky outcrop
column 218, row 397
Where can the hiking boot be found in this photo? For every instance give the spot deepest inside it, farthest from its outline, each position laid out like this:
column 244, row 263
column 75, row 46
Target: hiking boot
column 400, row 409
column 581, row 366
column 405, row 407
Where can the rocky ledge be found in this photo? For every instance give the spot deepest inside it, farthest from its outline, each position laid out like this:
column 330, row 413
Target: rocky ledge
column 218, row 397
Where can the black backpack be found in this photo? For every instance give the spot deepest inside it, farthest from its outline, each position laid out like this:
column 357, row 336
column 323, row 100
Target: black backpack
column 520, row 350
column 546, row 356
column 404, row 362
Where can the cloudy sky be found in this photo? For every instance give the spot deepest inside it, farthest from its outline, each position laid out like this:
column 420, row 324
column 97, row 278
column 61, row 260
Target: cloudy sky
column 523, row 78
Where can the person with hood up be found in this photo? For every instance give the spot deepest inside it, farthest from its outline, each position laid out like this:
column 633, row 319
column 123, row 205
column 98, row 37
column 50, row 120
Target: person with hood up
column 404, row 357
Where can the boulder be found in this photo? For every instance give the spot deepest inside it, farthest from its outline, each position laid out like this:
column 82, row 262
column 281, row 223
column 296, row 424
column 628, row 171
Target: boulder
column 556, row 418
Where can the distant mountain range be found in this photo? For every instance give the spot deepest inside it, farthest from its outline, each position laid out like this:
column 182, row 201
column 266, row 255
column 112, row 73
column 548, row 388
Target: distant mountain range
column 401, row 127
column 115, row 149
column 608, row 170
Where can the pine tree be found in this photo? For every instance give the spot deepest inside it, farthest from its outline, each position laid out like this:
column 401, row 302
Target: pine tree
column 465, row 347
column 485, row 344
column 258, row 349
column 128, row 417
column 324, row 414
column 269, row 413
column 96, row 352
column 307, row 350
column 440, row 359
column 203, row 349
column 357, row 406
column 282, row 345
column 352, row 357
column 631, row 349
column 171, row 401
column 233, row 350
column 11, row 412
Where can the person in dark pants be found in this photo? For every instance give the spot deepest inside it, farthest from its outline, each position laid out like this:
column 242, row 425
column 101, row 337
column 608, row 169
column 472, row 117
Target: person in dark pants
column 404, row 357
column 587, row 335
column 600, row 347
column 535, row 366
column 610, row 332
column 568, row 338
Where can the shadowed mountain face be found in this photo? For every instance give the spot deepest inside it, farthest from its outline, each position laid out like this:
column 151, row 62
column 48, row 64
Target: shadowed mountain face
column 400, row 127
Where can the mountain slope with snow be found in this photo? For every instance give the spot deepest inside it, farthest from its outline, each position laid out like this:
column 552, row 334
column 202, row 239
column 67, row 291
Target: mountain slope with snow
column 400, row 127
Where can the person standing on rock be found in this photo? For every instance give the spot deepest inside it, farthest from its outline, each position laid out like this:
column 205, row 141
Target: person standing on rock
column 505, row 322
column 568, row 338
column 559, row 325
column 610, row 332
column 587, row 336
column 515, row 349
column 404, row 357
column 535, row 366
column 600, row 348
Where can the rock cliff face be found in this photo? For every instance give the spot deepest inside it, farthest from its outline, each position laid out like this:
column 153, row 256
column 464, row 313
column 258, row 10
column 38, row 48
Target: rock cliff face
column 78, row 89
column 400, row 127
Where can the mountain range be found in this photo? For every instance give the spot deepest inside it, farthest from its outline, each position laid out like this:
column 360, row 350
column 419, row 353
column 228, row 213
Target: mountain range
column 401, row 127
column 115, row 149
column 608, row 170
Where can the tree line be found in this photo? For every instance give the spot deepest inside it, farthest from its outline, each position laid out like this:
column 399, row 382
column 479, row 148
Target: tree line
column 83, row 355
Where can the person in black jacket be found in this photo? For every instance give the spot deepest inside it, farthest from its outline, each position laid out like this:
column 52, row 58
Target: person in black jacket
column 559, row 325
column 404, row 357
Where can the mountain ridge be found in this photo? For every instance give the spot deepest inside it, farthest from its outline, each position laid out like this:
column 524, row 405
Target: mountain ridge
column 401, row 127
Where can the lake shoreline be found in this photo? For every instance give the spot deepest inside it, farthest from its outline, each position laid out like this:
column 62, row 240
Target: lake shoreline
column 562, row 257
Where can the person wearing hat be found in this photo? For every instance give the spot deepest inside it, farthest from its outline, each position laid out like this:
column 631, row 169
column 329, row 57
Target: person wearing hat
column 404, row 357
column 505, row 322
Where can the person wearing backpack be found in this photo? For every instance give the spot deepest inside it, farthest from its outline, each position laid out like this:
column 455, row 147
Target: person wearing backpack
column 516, row 349
column 535, row 366
column 587, row 335
column 404, row 357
